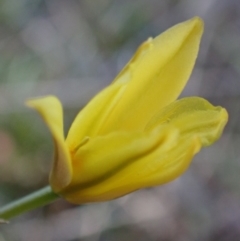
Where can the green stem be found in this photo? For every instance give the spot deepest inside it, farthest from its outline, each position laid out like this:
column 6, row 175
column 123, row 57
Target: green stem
column 34, row 200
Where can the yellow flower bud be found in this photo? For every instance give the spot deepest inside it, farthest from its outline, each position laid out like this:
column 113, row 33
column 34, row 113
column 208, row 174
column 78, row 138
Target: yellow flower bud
column 134, row 134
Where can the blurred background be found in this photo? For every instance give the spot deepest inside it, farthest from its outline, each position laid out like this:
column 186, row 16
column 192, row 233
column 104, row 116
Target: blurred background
column 73, row 49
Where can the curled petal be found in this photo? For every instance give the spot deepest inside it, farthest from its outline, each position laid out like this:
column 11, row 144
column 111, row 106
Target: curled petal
column 51, row 111
column 114, row 165
column 193, row 116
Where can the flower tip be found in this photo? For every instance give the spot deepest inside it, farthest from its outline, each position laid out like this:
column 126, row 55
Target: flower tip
column 225, row 115
column 197, row 22
column 197, row 19
column 29, row 103
column 197, row 145
column 34, row 102
column 224, row 118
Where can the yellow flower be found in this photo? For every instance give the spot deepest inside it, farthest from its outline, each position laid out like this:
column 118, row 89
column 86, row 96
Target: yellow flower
column 134, row 134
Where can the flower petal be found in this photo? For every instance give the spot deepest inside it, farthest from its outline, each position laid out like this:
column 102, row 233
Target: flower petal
column 50, row 109
column 193, row 116
column 118, row 164
column 91, row 118
column 106, row 154
column 155, row 76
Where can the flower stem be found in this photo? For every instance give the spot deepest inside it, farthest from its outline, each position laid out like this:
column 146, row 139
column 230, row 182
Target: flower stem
column 34, row 200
